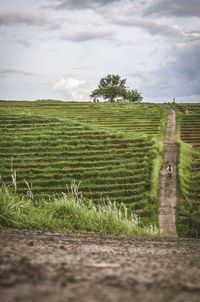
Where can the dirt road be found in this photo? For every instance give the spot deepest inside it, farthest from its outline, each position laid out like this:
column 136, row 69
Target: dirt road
column 53, row 266
column 168, row 187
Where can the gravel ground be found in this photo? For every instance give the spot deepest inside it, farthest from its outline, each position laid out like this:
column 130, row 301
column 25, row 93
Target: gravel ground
column 62, row 266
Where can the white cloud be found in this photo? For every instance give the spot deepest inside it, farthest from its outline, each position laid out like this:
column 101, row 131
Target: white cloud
column 151, row 26
column 154, row 43
column 76, row 90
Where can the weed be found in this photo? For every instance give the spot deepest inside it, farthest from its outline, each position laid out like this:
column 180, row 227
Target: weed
column 69, row 212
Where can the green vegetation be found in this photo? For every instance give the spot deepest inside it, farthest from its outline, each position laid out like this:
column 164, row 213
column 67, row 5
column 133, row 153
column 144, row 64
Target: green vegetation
column 124, row 118
column 188, row 209
column 114, row 150
column 112, row 86
column 69, row 212
column 189, row 123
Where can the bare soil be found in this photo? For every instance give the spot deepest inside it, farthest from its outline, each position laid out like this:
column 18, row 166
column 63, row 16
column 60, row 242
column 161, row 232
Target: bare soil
column 168, row 187
column 62, row 266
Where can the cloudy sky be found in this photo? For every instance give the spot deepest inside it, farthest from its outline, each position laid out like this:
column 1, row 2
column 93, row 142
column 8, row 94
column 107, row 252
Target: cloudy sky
column 59, row 49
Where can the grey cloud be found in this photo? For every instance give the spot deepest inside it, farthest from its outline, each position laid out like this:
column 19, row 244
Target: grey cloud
column 174, row 7
column 150, row 26
column 179, row 77
column 13, row 17
column 21, row 17
column 186, row 69
column 10, row 72
column 87, row 36
column 24, row 42
column 82, row 4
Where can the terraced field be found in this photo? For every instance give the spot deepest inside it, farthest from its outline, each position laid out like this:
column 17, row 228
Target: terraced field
column 189, row 123
column 188, row 211
column 112, row 149
column 131, row 119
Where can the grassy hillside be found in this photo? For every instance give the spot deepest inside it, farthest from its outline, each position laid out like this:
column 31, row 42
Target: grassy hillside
column 189, row 123
column 188, row 210
column 131, row 119
column 113, row 150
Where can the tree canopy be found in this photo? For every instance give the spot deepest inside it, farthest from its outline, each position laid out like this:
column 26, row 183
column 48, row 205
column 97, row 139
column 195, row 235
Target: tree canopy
column 112, row 87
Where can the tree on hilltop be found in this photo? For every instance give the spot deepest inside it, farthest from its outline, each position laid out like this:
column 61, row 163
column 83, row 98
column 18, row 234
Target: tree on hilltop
column 112, row 80
column 112, row 86
column 133, row 96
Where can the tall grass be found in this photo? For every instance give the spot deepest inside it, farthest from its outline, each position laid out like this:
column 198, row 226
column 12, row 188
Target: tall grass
column 69, row 212
column 179, row 120
column 184, row 164
column 157, row 162
column 188, row 209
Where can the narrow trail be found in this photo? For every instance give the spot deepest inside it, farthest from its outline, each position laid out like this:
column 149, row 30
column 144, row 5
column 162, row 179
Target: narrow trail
column 168, row 187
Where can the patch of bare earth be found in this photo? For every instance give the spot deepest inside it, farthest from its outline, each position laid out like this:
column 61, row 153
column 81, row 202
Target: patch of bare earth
column 62, row 266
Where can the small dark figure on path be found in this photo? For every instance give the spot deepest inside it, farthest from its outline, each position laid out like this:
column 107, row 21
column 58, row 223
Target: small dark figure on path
column 169, row 171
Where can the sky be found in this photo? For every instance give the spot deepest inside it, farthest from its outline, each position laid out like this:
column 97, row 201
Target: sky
column 60, row 49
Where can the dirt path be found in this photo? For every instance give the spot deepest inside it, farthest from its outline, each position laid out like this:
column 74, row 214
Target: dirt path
column 168, row 187
column 61, row 266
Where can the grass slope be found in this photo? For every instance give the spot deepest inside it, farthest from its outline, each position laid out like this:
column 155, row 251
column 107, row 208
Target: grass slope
column 188, row 209
column 69, row 213
column 189, row 123
column 114, row 150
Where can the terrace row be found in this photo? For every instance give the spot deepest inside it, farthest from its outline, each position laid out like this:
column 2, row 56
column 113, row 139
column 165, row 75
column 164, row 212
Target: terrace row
column 190, row 123
column 51, row 174
column 151, row 118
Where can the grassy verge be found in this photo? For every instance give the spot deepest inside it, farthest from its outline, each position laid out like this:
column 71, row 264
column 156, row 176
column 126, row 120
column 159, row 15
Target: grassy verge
column 157, row 162
column 69, row 213
column 179, row 119
column 156, row 166
column 147, row 207
column 188, row 208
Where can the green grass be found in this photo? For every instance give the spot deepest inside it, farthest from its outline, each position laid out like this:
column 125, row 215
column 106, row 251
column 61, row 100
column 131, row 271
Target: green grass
column 188, row 208
column 114, row 150
column 188, row 123
column 69, row 212
column 188, row 132
column 125, row 117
